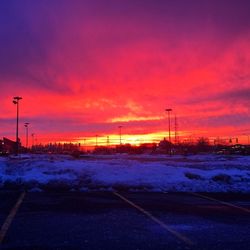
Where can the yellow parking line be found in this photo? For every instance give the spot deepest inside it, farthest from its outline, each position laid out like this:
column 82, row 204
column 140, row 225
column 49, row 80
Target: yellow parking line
column 221, row 202
column 10, row 217
column 156, row 220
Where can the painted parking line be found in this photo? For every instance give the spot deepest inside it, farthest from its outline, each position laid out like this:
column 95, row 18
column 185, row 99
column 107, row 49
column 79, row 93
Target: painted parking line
column 10, row 217
column 181, row 237
column 221, row 202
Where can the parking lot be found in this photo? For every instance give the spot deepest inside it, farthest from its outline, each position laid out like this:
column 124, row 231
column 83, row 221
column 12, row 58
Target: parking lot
column 117, row 220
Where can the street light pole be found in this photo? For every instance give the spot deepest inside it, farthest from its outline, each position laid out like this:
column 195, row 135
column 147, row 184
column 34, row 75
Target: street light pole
column 169, row 129
column 26, row 125
column 169, row 136
column 16, row 100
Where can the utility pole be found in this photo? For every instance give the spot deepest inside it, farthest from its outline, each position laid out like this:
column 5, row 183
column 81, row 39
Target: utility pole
column 176, row 129
column 169, row 124
column 16, row 100
column 169, row 129
column 26, row 125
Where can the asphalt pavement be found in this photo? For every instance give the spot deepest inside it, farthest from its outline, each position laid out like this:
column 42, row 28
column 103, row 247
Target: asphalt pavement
column 117, row 220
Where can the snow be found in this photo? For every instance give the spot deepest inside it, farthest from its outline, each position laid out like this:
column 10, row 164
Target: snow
column 162, row 173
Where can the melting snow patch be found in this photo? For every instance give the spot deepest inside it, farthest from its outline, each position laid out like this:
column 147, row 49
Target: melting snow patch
column 154, row 173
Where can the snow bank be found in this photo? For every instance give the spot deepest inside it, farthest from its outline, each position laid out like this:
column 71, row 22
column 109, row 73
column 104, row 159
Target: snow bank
column 199, row 173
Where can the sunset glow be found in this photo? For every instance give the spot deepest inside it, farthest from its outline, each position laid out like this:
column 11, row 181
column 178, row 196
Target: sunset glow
column 84, row 69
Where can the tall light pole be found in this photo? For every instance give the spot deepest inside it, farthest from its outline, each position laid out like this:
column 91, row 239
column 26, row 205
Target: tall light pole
column 175, row 129
column 169, row 128
column 26, row 125
column 16, row 100
column 169, row 136
column 120, row 134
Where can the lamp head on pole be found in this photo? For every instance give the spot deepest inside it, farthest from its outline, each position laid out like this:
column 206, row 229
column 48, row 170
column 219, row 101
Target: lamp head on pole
column 16, row 99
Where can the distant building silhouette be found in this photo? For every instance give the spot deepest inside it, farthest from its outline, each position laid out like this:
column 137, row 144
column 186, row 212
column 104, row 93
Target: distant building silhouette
column 8, row 146
column 164, row 144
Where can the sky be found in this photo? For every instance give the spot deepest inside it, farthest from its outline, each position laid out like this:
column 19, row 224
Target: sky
column 83, row 68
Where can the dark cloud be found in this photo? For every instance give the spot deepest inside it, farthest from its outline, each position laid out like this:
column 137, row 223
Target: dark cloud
column 234, row 120
column 24, row 46
column 232, row 96
column 235, row 96
column 33, row 32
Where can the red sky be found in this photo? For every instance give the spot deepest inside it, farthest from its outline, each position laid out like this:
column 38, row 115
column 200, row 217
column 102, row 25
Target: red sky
column 85, row 67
